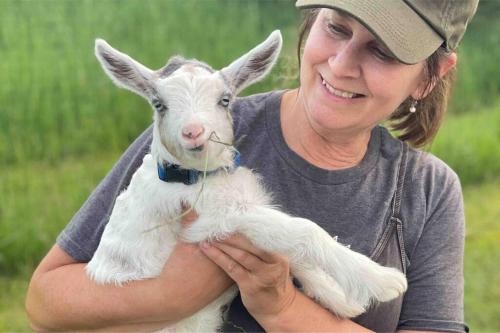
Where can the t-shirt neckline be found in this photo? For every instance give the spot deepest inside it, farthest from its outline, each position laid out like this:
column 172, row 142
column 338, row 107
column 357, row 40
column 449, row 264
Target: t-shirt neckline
column 302, row 166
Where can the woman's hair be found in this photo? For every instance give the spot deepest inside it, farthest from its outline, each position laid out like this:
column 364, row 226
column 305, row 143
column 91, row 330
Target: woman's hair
column 419, row 128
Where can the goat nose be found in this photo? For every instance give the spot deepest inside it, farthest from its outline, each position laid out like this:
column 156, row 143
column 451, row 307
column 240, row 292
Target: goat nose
column 192, row 131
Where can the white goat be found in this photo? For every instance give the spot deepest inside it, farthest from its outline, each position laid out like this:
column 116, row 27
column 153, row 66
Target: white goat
column 192, row 104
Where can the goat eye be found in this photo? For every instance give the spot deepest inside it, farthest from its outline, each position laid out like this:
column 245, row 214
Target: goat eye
column 158, row 105
column 224, row 101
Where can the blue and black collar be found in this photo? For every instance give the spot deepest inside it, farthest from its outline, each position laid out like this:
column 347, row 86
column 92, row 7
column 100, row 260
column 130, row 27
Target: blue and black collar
column 173, row 173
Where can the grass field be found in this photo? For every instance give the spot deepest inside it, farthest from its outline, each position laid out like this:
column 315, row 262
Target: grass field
column 470, row 144
column 53, row 88
column 482, row 279
column 63, row 123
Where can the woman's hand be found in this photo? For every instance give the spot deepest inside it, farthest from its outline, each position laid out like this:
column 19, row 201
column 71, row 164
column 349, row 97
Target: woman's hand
column 263, row 278
column 267, row 290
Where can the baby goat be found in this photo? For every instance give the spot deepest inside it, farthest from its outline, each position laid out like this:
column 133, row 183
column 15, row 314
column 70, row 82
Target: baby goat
column 192, row 122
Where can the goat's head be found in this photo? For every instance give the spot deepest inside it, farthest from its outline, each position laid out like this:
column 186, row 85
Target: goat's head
column 192, row 101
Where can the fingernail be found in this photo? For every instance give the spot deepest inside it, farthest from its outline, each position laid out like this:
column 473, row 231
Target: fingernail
column 205, row 245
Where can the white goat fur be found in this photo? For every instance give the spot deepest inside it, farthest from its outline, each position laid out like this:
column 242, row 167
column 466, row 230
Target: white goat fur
column 343, row 281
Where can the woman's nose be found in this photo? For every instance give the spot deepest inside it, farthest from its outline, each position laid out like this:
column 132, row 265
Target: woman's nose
column 345, row 62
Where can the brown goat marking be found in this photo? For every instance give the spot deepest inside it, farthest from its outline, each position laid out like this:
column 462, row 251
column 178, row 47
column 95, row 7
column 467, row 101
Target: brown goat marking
column 191, row 68
column 173, row 64
column 202, row 65
column 177, row 62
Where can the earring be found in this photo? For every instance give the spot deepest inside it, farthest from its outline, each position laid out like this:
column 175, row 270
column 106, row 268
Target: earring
column 413, row 106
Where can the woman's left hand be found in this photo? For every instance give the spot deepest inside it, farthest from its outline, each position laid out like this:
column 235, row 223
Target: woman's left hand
column 263, row 278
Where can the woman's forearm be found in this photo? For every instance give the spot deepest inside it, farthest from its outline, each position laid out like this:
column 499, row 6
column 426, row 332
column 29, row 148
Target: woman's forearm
column 304, row 315
column 64, row 298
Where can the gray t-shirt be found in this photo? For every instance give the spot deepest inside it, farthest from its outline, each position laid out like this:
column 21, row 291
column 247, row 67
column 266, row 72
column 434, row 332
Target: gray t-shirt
column 353, row 204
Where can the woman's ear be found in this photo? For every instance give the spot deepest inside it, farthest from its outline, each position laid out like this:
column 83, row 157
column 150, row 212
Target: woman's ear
column 445, row 65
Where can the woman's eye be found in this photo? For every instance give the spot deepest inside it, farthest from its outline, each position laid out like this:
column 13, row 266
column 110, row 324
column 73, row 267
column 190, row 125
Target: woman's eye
column 335, row 29
column 383, row 55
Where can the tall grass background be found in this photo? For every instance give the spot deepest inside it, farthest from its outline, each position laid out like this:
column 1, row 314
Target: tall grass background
column 63, row 123
column 53, row 88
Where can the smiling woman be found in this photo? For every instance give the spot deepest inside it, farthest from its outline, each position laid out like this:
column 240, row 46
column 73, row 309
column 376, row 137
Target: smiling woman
column 323, row 152
column 347, row 87
column 435, row 82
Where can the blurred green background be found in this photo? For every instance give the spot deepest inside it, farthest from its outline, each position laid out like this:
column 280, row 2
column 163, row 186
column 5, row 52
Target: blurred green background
column 63, row 123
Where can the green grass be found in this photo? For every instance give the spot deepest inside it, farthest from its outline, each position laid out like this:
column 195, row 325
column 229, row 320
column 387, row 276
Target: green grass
column 55, row 100
column 478, row 76
column 482, row 276
column 63, row 123
column 12, row 315
column 470, row 144
column 38, row 199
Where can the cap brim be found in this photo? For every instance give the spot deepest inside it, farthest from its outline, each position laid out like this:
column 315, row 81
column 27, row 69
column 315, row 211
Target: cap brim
column 394, row 23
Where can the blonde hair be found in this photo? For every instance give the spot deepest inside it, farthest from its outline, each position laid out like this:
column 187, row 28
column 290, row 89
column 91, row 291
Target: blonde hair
column 417, row 129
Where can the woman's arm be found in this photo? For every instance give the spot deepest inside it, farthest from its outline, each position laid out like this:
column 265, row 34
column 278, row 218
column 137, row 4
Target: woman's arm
column 62, row 297
column 267, row 290
column 304, row 315
column 268, row 293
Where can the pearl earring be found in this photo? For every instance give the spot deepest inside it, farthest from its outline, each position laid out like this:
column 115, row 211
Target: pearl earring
column 413, row 106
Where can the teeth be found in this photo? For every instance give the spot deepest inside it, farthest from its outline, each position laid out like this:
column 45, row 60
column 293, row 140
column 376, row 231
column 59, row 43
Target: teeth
column 336, row 92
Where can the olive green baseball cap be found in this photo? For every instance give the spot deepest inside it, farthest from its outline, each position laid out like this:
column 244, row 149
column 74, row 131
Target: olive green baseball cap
column 411, row 29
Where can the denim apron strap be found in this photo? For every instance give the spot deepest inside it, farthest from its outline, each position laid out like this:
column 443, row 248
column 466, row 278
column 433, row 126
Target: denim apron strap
column 396, row 206
column 396, row 200
column 390, row 252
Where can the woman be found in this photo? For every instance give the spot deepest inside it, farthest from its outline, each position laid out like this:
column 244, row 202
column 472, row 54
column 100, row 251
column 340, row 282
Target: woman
column 321, row 150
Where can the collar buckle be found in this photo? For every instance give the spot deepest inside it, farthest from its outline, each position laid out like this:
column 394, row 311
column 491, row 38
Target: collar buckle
column 173, row 173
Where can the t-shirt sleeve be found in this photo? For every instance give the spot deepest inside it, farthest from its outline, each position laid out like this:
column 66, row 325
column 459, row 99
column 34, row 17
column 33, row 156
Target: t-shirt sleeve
column 434, row 300
column 81, row 236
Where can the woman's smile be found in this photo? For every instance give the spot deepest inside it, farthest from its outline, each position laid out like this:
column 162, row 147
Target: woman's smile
column 337, row 92
column 346, row 85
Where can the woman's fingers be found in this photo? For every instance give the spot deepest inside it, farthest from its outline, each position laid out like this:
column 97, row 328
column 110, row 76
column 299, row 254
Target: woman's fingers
column 244, row 244
column 262, row 277
column 243, row 257
column 243, row 262
column 232, row 268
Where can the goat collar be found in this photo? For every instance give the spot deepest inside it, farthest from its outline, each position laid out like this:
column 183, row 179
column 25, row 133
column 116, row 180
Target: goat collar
column 173, row 173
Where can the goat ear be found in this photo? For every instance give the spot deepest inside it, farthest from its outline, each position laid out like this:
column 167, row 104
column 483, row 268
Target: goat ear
column 123, row 70
column 254, row 65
